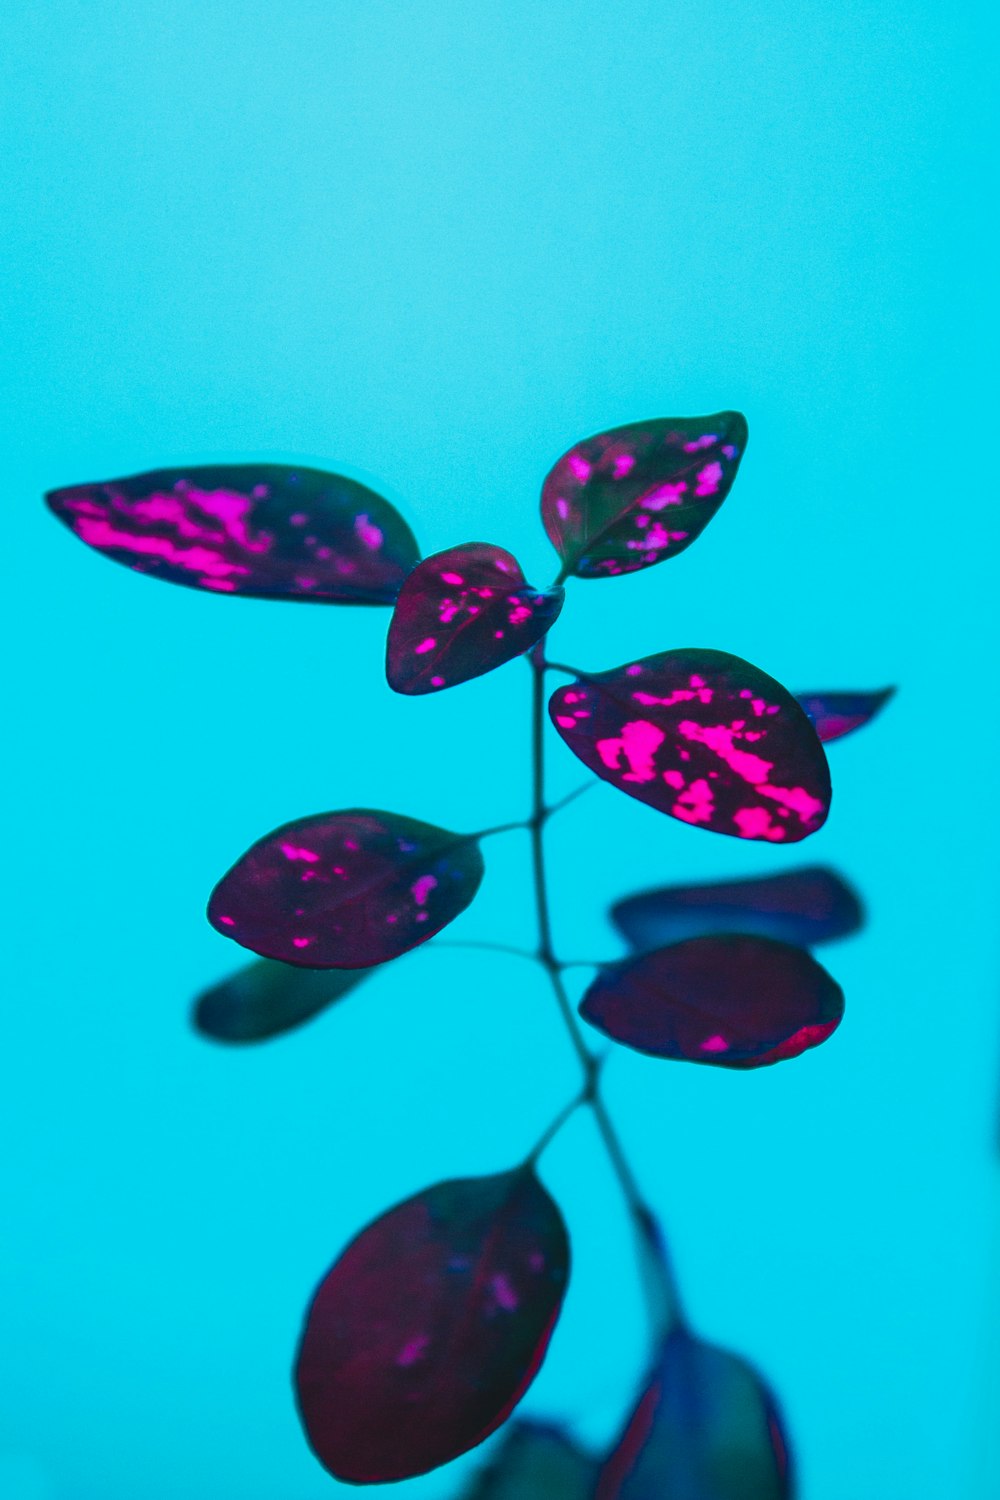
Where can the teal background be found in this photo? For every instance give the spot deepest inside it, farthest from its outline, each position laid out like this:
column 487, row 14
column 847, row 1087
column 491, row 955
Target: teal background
column 432, row 244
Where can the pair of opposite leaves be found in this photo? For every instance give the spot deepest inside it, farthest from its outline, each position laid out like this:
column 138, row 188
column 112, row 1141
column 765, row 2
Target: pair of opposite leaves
column 699, row 735
column 718, row 974
column 434, row 1321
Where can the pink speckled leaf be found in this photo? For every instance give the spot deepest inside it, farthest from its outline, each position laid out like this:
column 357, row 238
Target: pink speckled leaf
column 631, row 497
column 461, row 613
column 535, row 1461
column 705, row 737
column 812, row 904
column 732, row 1000
column 431, row 1326
column 345, row 890
column 269, row 531
column 267, row 998
column 706, row 1427
column 837, row 714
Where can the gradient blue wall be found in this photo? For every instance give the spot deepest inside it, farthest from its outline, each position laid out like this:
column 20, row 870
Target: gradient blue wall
column 432, row 244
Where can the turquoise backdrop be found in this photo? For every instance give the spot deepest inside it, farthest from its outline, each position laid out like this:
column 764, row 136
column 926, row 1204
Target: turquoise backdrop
column 431, row 244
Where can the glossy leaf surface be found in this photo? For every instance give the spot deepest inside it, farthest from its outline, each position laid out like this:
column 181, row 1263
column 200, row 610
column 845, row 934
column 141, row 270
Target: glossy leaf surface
column 734, row 1000
column 461, row 613
column 269, row 531
column 431, row 1326
column 345, row 890
column 535, row 1461
column 266, row 998
column 837, row 714
column 805, row 906
column 705, row 737
column 705, row 1428
column 633, row 496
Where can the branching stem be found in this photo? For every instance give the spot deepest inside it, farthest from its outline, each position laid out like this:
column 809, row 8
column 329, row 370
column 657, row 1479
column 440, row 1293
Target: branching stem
column 659, row 1284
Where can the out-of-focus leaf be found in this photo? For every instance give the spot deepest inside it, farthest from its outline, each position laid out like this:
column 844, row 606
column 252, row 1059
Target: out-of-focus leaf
column 266, row 998
column 461, row 613
column 705, row 737
column 346, row 890
column 269, row 531
column 706, row 1427
column 431, row 1326
column 837, row 714
column 733, row 1000
column 535, row 1461
column 805, row 906
column 629, row 498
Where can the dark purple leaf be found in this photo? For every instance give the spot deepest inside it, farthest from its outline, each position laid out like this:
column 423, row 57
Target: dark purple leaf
column 431, row 1326
column 535, row 1461
column 837, row 714
column 265, row 530
column 805, row 906
column 705, row 1428
column 633, row 496
column 733, row 1000
column 461, row 613
column 265, row 998
column 345, row 890
column 705, row 737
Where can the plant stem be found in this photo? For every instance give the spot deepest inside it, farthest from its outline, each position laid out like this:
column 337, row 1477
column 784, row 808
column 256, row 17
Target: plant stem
column 658, row 1280
column 489, row 947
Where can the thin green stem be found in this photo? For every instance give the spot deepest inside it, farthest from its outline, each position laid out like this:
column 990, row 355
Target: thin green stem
column 658, row 1280
column 549, row 1135
column 489, row 947
column 487, row 833
column 554, row 807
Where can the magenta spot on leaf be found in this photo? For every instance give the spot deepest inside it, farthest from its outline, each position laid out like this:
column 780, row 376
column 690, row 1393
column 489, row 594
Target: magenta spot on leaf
column 503, row 1291
column 371, row 536
column 632, row 752
column 292, row 851
column 413, row 1350
column 461, row 620
column 422, row 888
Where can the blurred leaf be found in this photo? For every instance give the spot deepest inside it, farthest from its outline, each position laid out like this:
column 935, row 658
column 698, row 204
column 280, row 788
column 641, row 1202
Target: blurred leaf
column 733, row 1000
column 461, row 613
column 705, row 737
column 345, row 890
column 535, row 1461
column 805, row 906
column 631, row 497
column 705, row 1428
column 266, row 998
column 431, row 1326
column 837, row 714
column 266, row 530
